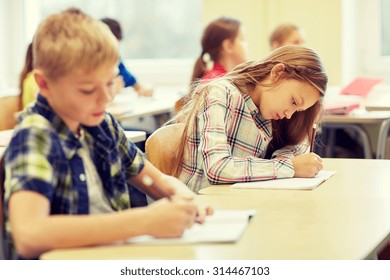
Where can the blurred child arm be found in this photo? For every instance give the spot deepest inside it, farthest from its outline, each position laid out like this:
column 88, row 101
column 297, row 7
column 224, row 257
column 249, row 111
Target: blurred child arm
column 35, row 231
column 169, row 185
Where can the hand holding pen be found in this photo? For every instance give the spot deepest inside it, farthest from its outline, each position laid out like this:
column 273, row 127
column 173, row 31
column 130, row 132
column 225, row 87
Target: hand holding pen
column 181, row 192
column 308, row 165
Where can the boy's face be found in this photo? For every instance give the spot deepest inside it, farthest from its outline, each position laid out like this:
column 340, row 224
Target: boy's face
column 80, row 97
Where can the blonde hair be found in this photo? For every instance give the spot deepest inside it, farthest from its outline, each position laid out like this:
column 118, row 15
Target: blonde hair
column 301, row 64
column 281, row 33
column 72, row 39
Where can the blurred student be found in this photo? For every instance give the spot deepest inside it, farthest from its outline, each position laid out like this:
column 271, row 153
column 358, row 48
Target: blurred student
column 27, row 85
column 286, row 34
column 68, row 158
column 128, row 78
column 223, row 47
column 254, row 123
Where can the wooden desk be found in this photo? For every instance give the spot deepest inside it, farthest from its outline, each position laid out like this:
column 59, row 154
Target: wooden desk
column 347, row 217
column 128, row 105
column 355, row 120
column 379, row 99
column 358, row 119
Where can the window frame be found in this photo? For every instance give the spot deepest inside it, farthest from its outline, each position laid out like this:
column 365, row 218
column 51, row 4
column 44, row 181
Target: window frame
column 374, row 62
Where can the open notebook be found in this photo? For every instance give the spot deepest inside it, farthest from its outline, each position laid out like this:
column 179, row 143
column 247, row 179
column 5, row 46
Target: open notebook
column 288, row 183
column 223, row 226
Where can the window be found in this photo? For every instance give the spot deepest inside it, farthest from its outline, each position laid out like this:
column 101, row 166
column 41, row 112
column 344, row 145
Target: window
column 161, row 39
column 151, row 28
column 385, row 28
column 373, row 34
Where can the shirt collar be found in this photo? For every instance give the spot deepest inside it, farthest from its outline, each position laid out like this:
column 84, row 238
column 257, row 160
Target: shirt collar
column 69, row 140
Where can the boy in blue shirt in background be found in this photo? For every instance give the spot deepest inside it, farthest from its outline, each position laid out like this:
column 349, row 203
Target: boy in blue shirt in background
column 68, row 158
column 128, row 79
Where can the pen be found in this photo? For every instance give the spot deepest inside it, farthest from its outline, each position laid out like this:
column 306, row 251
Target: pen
column 148, row 181
column 313, row 135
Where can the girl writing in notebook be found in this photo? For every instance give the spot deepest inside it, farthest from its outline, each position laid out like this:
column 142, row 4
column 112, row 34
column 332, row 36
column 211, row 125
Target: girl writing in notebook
column 255, row 123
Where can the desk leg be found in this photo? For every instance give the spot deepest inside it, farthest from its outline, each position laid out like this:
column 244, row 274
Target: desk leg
column 362, row 134
column 382, row 139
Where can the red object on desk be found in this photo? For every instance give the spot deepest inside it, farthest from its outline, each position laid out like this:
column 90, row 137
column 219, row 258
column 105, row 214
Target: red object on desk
column 340, row 108
column 360, row 86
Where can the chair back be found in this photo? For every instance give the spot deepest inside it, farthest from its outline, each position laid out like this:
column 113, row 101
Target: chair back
column 160, row 147
column 9, row 105
column 4, row 252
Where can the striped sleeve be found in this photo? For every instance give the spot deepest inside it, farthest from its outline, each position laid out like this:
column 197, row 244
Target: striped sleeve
column 220, row 165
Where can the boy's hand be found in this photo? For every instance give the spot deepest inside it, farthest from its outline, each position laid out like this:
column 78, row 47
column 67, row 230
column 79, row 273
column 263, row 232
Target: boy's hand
column 171, row 218
column 181, row 191
column 147, row 92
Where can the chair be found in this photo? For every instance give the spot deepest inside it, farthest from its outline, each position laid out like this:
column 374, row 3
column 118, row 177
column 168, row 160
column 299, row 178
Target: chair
column 9, row 106
column 4, row 252
column 160, row 146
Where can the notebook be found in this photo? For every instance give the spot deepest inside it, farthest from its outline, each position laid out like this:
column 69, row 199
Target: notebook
column 224, row 226
column 288, row 183
column 360, row 86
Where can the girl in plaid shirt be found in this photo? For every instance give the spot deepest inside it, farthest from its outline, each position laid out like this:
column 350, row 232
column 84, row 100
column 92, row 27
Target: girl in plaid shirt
column 253, row 123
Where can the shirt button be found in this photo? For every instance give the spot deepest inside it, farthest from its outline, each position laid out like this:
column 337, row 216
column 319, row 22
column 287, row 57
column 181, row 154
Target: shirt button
column 82, row 177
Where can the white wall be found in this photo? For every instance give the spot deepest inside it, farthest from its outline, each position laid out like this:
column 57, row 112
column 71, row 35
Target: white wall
column 12, row 43
column 161, row 71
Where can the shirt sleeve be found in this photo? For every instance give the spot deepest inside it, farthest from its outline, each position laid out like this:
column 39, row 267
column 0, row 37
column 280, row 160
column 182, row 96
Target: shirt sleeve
column 292, row 151
column 128, row 78
column 220, row 166
column 27, row 163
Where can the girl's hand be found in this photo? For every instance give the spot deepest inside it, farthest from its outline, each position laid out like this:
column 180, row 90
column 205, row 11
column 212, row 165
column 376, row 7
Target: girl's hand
column 307, row 165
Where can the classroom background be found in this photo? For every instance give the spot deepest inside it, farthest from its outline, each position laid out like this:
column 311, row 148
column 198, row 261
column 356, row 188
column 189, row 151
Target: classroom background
column 162, row 37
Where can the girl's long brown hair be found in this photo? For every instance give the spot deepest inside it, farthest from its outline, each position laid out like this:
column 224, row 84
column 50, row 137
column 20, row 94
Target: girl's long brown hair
column 301, row 64
column 213, row 36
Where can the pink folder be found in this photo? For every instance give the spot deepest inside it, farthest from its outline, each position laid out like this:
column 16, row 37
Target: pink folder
column 360, row 86
column 340, row 108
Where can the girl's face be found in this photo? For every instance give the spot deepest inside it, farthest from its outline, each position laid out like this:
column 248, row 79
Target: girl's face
column 295, row 38
column 240, row 48
column 283, row 100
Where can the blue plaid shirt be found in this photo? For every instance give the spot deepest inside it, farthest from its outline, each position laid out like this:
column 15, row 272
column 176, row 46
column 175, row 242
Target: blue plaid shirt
column 42, row 157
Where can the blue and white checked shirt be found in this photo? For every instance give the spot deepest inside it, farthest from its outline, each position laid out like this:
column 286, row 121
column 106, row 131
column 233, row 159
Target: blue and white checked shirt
column 42, row 157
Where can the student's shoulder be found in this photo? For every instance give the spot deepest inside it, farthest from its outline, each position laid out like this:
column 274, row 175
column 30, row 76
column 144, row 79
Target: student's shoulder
column 33, row 122
column 112, row 127
column 35, row 128
column 224, row 89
